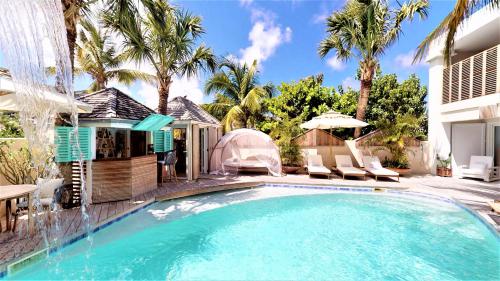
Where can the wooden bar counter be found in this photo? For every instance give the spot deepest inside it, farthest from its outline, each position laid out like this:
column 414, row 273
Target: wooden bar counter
column 122, row 179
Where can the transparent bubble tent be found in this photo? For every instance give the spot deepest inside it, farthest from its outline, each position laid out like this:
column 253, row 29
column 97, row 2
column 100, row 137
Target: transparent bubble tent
column 245, row 150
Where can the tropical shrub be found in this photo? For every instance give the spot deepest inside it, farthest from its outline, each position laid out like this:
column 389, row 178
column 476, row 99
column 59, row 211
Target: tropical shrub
column 15, row 164
column 390, row 98
column 283, row 134
column 393, row 136
column 9, row 126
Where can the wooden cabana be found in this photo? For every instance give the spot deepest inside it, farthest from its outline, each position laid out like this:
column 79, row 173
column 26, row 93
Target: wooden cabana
column 123, row 133
column 195, row 134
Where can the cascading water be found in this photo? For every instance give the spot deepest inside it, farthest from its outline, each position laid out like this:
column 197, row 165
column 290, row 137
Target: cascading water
column 33, row 36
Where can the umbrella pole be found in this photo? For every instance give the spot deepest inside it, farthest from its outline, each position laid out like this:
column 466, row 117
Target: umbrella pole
column 331, row 145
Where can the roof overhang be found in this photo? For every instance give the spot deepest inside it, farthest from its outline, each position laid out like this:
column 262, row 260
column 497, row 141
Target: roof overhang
column 193, row 122
column 108, row 123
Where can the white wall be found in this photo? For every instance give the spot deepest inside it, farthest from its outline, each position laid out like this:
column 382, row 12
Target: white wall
column 439, row 133
column 467, row 139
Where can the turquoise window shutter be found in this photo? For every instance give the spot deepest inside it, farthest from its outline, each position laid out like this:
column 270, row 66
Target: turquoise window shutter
column 168, row 141
column 66, row 150
column 84, row 138
column 159, row 141
column 63, row 149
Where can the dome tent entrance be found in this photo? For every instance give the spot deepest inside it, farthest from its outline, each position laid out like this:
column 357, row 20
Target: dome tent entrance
column 245, row 150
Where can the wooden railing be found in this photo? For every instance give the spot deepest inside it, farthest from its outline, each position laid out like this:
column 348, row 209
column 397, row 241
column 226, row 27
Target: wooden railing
column 472, row 77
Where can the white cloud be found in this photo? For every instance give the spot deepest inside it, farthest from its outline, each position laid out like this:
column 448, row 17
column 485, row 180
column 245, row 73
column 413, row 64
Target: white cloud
column 406, row 60
column 122, row 87
column 245, row 2
column 189, row 87
column 148, row 95
column 265, row 37
column 350, row 82
column 335, row 63
column 320, row 18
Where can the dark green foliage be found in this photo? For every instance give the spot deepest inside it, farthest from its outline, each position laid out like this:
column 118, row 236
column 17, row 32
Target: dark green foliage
column 395, row 133
column 283, row 133
column 389, row 99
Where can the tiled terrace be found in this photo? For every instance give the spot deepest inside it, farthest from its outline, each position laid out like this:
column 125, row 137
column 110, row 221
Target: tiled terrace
column 14, row 246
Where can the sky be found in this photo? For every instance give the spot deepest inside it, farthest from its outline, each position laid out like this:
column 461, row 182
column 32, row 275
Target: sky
column 283, row 36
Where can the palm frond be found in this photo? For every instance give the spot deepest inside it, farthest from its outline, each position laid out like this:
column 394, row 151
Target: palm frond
column 449, row 26
column 202, row 58
column 128, row 76
column 220, row 82
column 233, row 118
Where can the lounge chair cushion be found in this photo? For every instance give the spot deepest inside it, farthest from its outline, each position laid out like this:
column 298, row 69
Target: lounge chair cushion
column 383, row 172
column 478, row 166
column 315, row 165
column 318, row 170
column 376, row 165
column 351, row 171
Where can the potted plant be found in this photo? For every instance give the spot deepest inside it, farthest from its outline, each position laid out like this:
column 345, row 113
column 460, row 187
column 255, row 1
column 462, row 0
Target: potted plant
column 393, row 137
column 443, row 166
column 283, row 133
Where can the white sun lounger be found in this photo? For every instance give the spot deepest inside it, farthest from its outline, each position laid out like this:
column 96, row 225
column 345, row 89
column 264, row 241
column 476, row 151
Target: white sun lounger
column 345, row 167
column 315, row 166
column 374, row 167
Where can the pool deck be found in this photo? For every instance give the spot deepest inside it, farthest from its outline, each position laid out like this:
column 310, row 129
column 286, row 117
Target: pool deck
column 16, row 246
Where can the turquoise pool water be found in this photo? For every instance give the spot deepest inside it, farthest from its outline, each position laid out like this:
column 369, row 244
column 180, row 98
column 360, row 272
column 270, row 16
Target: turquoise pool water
column 314, row 237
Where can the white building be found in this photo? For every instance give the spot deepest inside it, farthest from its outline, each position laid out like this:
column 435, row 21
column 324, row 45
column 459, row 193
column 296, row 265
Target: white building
column 464, row 98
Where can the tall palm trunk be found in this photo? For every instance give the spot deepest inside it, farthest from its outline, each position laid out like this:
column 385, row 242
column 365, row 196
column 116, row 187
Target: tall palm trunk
column 367, row 71
column 163, row 92
column 70, row 20
column 101, row 84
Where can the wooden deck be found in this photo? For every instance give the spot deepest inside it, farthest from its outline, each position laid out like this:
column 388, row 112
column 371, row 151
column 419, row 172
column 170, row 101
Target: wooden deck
column 15, row 246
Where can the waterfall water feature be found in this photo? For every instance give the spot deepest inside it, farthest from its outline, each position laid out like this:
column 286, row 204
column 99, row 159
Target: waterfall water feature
column 33, row 37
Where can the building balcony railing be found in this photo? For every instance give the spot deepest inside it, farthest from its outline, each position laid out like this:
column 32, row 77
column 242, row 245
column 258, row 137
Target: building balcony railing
column 473, row 77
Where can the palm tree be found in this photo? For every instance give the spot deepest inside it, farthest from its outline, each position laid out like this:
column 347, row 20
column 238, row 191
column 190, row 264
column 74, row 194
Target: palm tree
column 97, row 56
column 450, row 24
column 164, row 37
column 365, row 29
column 238, row 95
column 73, row 10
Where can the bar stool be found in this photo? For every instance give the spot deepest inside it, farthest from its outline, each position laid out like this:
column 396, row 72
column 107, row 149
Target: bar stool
column 170, row 161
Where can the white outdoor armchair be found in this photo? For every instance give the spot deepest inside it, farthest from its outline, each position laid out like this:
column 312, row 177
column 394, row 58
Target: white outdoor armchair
column 480, row 167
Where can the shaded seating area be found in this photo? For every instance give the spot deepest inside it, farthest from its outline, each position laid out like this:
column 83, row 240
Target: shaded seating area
column 245, row 150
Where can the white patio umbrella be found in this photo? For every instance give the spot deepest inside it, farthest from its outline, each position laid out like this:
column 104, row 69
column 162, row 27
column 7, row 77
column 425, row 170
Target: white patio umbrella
column 62, row 103
column 333, row 120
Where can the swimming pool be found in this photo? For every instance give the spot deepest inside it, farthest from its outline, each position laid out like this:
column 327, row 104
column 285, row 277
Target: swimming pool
column 341, row 236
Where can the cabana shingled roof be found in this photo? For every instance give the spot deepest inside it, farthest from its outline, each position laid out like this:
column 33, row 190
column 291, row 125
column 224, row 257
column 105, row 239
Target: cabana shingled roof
column 183, row 109
column 112, row 103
